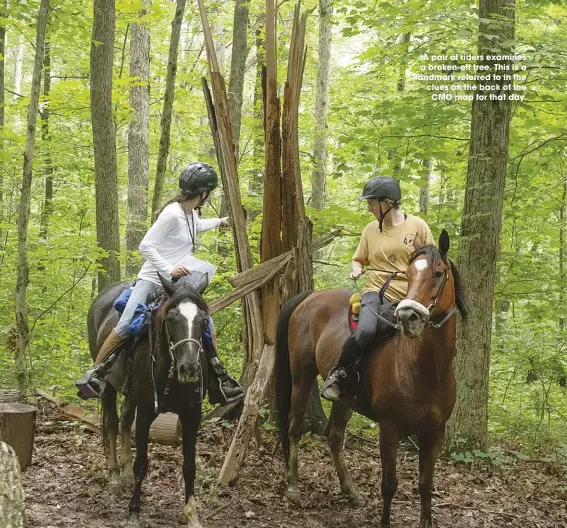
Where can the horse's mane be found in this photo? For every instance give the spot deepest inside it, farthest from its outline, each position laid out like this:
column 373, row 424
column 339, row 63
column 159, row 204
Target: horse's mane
column 433, row 259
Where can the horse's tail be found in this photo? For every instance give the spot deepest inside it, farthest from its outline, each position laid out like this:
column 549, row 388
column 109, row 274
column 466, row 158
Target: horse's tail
column 283, row 370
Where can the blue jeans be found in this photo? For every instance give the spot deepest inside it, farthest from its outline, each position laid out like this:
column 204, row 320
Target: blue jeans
column 139, row 294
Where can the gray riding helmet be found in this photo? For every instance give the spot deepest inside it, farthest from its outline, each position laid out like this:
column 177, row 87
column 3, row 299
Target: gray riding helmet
column 198, row 177
column 382, row 187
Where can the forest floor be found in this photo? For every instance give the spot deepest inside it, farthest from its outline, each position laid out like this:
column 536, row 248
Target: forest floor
column 66, row 486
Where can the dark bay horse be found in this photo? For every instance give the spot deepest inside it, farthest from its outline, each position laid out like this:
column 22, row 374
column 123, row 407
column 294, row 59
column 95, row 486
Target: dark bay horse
column 180, row 366
column 408, row 380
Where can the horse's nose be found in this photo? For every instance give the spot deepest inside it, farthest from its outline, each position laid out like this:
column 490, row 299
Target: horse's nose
column 188, row 372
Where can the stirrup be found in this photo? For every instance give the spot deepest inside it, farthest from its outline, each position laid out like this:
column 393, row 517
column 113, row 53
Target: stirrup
column 88, row 390
column 332, row 388
column 219, row 394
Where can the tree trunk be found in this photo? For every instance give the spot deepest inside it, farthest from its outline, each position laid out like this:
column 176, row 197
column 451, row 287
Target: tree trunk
column 18, row 65
column 46, row 145
column 240, row 51
column 480, row 232
column 562, row 257
column 424, row 187
column 17, row 428
column 3, row 7
column 257, row 176
column 104, row 141
column 22, row 328
column 12, row 504
column 319, row 177
column 138, row 138
column 167, row 106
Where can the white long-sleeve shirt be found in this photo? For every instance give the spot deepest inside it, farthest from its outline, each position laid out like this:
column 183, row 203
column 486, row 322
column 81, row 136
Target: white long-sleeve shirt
column 169, row 242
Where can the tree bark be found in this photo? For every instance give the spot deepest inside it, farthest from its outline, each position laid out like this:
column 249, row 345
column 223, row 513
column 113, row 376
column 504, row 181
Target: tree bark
column 17, row 428
column 271, row 222
column 319, row 176
column 240, row 51
column 46, row 145
column 3, row 7
column 480, row 231
column 22, row 328
column 18, row 63
column 562, row 257
column 12, row 505
column 257, row 176
column 104, row 141
column 424, row 187
column 167, row 106
column 138, row 142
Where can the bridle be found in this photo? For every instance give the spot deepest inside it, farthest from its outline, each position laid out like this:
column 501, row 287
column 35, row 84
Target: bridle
column 428, row 311
column 158, row 406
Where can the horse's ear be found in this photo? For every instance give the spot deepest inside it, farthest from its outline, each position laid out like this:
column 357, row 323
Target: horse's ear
column 167, row 284
column 417, row 243
column 203, row 283
column 444, row 244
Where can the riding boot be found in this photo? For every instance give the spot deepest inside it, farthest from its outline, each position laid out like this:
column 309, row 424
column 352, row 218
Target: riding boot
column 335, row 384
column 92, row 383
column 222, row 387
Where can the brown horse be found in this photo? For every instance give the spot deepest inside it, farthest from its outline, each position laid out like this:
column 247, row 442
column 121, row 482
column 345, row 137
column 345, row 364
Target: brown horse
column 408, row 380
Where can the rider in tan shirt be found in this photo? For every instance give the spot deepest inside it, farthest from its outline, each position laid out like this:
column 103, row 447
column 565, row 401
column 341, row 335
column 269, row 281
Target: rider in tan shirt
column 386, row 244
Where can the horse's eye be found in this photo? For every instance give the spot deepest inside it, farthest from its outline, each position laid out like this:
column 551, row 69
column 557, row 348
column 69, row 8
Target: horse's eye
column 438, row 274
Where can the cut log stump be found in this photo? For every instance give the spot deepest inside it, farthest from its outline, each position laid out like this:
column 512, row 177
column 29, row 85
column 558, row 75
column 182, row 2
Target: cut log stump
column 166, row 430
column 12, row 513
column 17, row 428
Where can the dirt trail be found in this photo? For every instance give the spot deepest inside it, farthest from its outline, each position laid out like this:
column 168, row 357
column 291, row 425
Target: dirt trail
column 67, row 487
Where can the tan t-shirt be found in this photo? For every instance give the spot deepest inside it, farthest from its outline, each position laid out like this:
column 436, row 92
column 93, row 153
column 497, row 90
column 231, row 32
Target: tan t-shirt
column 390, row 250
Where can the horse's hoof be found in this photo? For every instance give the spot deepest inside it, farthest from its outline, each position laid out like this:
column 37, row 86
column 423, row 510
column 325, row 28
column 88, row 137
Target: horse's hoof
column 133, row 522
column 114, row 480
column 294, row 495
column 357, row 500
column 128, row 477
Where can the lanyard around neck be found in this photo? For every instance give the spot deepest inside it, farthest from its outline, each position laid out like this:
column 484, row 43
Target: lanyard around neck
column 191, row 231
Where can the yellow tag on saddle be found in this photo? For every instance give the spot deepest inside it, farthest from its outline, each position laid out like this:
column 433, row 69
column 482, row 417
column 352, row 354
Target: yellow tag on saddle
column 355, row 303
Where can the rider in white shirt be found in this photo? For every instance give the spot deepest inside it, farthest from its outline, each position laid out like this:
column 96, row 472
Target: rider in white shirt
column 168, row 249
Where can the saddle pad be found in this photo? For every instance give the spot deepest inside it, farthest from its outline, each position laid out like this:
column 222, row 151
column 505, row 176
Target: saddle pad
column 352, row 320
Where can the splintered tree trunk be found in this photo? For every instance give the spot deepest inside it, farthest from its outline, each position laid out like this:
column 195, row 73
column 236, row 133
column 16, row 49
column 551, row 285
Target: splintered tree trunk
column 271, row 222
column 17, row 428
column 104, row 141
column 480, row 231
column 319, row 177
column 12, row 510
column 138, row 138
column 22, row 328
column 167, row 105
column 240, row 51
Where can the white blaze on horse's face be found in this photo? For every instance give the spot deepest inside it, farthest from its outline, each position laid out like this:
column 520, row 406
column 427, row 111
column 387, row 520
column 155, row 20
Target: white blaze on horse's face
column 420, row 265
column 412, row 315
column 188, row 353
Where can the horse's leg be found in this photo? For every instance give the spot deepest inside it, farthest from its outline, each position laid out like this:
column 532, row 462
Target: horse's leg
column 128, row 412
column 389, row 439
column 338, row 420
column 429, row 448
column 190, row 421
column 110, row 432
column 299, row 397
column 144, row 419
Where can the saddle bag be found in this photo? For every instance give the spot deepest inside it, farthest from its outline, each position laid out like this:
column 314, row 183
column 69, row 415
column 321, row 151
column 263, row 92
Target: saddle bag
column 141, row 319
column 122, row 300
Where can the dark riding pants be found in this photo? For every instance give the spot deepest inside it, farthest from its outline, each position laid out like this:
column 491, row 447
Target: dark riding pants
column 370, row 327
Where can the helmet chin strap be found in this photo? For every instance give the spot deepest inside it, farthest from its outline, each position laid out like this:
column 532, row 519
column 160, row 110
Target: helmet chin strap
column 382, row 216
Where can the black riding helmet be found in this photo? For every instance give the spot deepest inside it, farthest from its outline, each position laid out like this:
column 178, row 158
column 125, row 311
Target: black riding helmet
column 198, row 177
column 382, row 187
